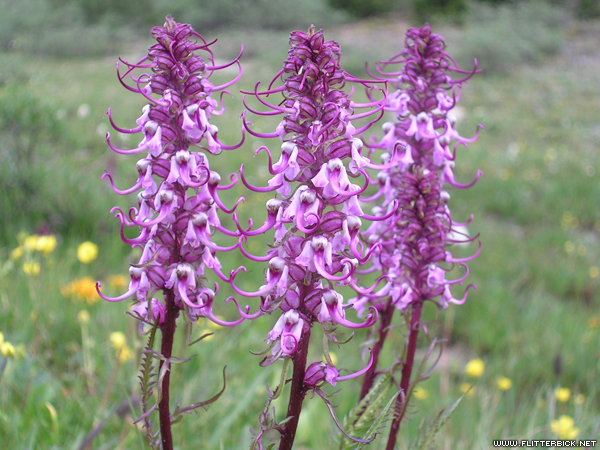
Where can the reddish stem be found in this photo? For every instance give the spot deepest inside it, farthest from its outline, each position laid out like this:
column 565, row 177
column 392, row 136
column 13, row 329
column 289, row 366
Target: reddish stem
column 166, row 349
column 385, row 318
column 400, row 408
column 297, row 393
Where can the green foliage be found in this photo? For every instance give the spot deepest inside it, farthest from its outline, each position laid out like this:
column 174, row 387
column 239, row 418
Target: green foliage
column 365, row 8
column 506, row 36
column 38, row 186
column 131, row 11
column 428, row 432
column 285, row 15
column 369, row 415
column 42, row 27
column 588, row 9
column 426, row 10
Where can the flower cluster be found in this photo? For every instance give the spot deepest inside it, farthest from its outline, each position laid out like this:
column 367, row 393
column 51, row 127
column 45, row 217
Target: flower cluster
column 31, row 246
column 412, row 241
column 317, row 218
column 178, row 199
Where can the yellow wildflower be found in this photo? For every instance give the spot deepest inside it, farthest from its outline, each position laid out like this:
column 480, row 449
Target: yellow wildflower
column 31, row 267
column 83, row 289
column 504, row 384
column 83, row 316
column 563, row 427
column 579, row 399
column 46, row 244
column 475, row 368
column 87, row 252
column 30, row 242
column 16, row 253
column 420, row 393
column 7, row 349
column 117, row 282
column 118, row 340
column 562, row 394
column 124, row 354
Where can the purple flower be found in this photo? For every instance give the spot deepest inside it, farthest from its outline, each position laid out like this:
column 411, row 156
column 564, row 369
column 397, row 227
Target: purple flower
column 412, row 241
column 317, row 214
column 178, row 201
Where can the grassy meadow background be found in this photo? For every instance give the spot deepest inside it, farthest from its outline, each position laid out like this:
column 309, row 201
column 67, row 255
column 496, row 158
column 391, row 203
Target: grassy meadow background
column 534, row 318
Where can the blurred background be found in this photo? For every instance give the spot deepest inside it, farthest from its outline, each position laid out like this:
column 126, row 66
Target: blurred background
column 68, row 362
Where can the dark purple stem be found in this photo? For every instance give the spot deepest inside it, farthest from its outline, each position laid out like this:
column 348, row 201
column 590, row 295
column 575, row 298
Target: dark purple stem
column 166, row 349
column 406, row 374
column 385, row 318
column 297, row 393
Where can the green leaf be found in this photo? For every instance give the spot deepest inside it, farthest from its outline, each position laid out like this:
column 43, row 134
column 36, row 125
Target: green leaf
column 379, row 423
column 427, row 433
column 367, row 412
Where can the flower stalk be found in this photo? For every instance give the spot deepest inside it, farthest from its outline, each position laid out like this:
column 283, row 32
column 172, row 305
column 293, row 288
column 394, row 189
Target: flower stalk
column 315, row 214
column 411, row 246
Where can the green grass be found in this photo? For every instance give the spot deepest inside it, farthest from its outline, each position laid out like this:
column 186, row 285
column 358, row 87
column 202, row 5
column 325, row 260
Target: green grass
column 536, row 207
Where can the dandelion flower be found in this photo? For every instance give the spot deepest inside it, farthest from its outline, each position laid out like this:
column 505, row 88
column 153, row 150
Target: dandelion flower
column 30, row 242
column 504, row 384
column 87, row 252
column 420, row 393
column 83, row 289
column 7, row 349
column 562, row 394
column 564, row 427
column 46, row 244
column 475, row 368
column 118, row 340
column 31, row 267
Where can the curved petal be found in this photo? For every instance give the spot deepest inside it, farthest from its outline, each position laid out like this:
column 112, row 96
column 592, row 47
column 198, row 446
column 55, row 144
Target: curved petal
column 125, row 296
